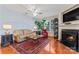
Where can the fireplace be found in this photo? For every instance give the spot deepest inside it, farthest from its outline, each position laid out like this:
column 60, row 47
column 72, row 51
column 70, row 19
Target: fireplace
column 70, row 38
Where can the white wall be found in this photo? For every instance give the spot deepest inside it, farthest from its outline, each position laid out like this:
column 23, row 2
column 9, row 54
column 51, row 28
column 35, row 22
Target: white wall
column 17, row 20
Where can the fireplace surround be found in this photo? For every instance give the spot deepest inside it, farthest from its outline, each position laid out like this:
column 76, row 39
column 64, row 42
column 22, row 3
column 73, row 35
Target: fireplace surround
column 70, row 38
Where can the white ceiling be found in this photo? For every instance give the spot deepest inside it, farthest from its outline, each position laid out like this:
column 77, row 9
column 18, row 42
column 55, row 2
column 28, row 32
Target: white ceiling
column 46, row 9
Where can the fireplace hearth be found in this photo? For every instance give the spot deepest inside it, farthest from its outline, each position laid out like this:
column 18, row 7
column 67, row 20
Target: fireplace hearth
column 70, row 38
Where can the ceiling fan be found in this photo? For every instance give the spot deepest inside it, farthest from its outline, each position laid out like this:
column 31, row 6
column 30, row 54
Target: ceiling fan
column 33, row 11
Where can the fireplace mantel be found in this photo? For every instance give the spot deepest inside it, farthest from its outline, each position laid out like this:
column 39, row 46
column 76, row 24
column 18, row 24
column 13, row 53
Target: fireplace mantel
column 74, row 26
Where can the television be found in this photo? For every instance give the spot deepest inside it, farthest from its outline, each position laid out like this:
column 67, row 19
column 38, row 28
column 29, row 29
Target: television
column 71, row 15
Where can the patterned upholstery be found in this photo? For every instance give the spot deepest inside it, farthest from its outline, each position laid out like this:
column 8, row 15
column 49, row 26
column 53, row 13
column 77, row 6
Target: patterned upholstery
column 20, row 35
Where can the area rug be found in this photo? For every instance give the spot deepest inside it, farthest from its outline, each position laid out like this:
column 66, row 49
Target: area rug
column 30, row 46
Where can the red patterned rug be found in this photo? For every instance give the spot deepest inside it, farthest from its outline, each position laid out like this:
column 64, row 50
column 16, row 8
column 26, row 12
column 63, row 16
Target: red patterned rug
column 30, row 46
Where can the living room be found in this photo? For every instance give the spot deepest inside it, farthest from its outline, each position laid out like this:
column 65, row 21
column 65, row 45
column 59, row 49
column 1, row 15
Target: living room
column 19, row 28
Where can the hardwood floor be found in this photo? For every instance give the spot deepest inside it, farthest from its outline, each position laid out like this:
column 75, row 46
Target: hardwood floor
column 53, row 47
column 8, row 50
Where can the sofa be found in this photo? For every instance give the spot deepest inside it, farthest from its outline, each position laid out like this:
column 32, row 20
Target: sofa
column 22, row 34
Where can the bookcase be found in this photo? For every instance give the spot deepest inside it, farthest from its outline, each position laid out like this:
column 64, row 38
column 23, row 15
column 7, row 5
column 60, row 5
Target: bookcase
column 55, row 27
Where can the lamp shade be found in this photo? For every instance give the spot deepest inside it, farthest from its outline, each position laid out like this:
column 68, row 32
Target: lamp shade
column 7, row 26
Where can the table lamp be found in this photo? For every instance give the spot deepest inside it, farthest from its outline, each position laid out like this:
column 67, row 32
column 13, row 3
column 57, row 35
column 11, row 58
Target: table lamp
column 7, row 27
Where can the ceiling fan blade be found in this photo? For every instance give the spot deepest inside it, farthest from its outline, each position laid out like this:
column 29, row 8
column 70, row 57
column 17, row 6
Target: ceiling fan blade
column 40, row 13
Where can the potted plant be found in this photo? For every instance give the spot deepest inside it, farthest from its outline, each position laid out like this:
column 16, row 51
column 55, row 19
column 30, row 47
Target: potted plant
column 40, row 24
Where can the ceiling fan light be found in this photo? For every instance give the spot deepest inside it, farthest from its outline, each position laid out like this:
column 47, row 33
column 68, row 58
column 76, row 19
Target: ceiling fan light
column 35, row 14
